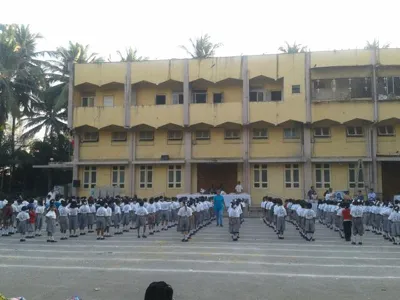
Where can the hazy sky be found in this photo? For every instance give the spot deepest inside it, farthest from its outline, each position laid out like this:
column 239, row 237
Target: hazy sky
column 157, row 27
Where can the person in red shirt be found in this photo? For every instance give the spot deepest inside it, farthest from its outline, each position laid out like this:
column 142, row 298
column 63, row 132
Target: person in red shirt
column 346, row 221
column 31, row 222
column 7, row 217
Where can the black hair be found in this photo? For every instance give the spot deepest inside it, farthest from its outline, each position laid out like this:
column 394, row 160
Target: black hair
column 141, row 203
column 159, row 291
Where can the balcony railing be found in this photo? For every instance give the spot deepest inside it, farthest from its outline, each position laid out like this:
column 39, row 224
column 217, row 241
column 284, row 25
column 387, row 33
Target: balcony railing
column 341, row 89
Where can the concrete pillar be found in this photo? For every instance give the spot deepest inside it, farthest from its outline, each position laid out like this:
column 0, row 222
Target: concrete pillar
column 307, row 146
column 75, row 167
column 132, row 157
column 245, row 121
column 70, row 95
column 127, row 98
column 187, row 132
column 374, row 133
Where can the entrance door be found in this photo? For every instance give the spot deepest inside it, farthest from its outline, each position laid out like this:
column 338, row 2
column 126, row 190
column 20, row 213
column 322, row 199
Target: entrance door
column 390, row 179
column 209, row 175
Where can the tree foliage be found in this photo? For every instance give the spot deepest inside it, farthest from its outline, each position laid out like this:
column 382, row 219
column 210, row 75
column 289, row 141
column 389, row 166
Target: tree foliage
column 292, row 48
column 201, row 47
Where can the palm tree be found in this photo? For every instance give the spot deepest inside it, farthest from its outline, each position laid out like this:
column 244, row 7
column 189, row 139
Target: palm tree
column 130, row 55
column 202, row 47
column 375, row 45
column 58, row 69
column 295, row 48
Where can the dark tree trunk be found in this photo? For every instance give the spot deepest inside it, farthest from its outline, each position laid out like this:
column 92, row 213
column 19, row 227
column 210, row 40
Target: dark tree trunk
column 14, row 119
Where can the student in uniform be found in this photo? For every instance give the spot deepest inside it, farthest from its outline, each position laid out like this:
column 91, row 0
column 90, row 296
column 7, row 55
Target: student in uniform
column 309, row 223
column 39, row 210
column 385, row 213
column 7, row 219
column 63, row 221
column 107, row 218
column 101, row 221
column 51, row 224
column 164, row 214
column 347, row 223
column 234, row 212
column 117, row 217
column 91, row 215
column 157, row 206
column 83, row 220
column 280, row 215
column 141, row 214
column 73, row 218
column 31, row 222
column 184, row 214
column 395, row 223
column 134, row 206
column 22, row 218
column 126, row 209
column 151, row 218
column 357, row 223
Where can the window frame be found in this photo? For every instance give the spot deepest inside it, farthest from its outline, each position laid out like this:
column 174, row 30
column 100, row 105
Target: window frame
column 386, row 133
column 292, row 129
column 232, row 135
column 160, row 95
column 321, row 135
column 118, row 171
column 146, row 139
column 355, row 133
column 281, row 98
column 91, row 172
column 259, row 92
column 222, row 98
column 115, row 138
column 296, row 89
column 177, row 96
column 147, row 183
column 104, row 100
column 291, row 170
column 259, row 169
column 173, row 138
column 260, row 137
column 92, row 98
column 85, row 138
column 202, row 138
column 321, row 167
column 199, row 92
column 172, row 182
column 352, row 168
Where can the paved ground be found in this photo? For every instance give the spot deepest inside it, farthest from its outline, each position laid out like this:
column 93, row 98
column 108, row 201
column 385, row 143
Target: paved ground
column 209, row 267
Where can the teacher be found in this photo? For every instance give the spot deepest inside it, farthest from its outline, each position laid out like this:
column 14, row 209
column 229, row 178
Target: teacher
column 219, row 207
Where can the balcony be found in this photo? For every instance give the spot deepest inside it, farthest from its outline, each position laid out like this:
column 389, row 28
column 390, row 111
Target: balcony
column 99, row 116
column 342, row 89
column 157, row 115
column 342, row 112
column 216, row 114
column 277, row 112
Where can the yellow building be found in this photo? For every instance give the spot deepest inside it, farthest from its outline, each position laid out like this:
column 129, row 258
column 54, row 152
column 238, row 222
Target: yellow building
column 278, row 123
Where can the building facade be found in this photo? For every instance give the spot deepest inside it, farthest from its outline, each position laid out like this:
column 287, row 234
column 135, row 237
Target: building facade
column 277, row 123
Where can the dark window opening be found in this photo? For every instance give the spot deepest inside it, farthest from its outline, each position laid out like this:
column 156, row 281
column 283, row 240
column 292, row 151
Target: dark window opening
column 276, row 95
column 218, row 97
column 160, row 99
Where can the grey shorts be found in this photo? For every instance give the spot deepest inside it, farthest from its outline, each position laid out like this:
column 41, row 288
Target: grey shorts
column 100, row 222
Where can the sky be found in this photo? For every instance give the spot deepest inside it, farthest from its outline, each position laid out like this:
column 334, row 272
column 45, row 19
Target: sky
column 156, row 28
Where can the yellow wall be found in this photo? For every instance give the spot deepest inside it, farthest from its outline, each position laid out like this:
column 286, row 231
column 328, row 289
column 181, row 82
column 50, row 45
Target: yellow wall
column 262, row 65
column 217, row 146
column 157, row 71
column 339, row 145
column 99, row 117
column 160, row 146
column 389, row 56
column 100, row 74
column 215, row 69
column 389, row 145
column 146, row 92
column 159, row 183
column 275, row 145
column 388, row 110
column 216, row 114
column 104, row 148
column 342, row 111
column 340, row 58
column 157, row 115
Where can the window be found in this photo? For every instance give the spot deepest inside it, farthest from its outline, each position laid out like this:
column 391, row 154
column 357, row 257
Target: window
column 87, row 101
column 291, row 133
column 257, row 96
column 118, row 176
column 218, row 97
column 232, row 134
column 292, row 176
column 260, row 133
column 387, row 130
column 146, row 136
column 202, row 135
column 322, row 132
column 175, row 135
column 89, row 177
column 322, row 176
column 174, row 177
column 276, row 96
column 260, row 179
column 388, row 88
column 353, row 179
column 354, row 131
column 120, row 136
column 199, row 97
column 161, row 99
column 90, row 137
column 177, row 98
column 296, row 89
column 108, row 101
column 146, row 177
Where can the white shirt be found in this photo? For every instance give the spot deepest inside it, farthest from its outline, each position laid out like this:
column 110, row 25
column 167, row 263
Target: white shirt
column 356, row 211
column 23, row 216
column 394, row 216
column 371, row 196
column 185, row 211
column 158, row 206
column 126, row 208
column 108, row 212
column 238, row 188
column 151, row 208
column 51, row 214
column 280, row 211
column 327, row 196
column 117, row 210
column 141, row 211
column 263, row 204
column 92, row 208
column 234, row 212
column 101, row 212
column 39, row 209
column 63, row 211
column 309, row 214
column 164, row 205
column 73, row 211
column 84, row 209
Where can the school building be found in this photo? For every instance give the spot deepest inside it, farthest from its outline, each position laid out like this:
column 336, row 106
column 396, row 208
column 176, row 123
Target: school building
column 278, row 123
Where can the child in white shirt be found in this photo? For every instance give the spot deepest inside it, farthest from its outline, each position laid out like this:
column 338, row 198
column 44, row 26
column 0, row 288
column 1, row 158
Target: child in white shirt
column 22, row 219
column 51, row 224
column 234, row 212
column 280, row 213
column 141, row 218
column 184, row 214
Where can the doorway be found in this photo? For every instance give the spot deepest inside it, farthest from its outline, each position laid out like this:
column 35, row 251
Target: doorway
column 390, row 179
column 215, row 175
